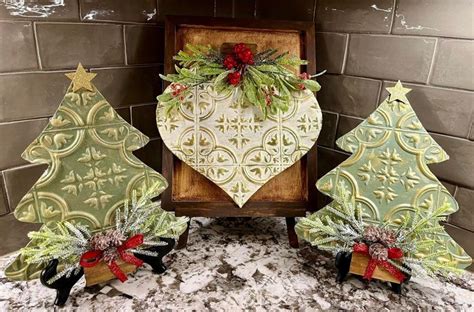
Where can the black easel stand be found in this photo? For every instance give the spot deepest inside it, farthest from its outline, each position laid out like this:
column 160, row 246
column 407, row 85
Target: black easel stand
column 64, row 285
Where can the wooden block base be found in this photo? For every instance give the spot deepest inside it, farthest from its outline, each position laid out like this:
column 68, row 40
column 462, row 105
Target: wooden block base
column 101, row 272
column 359, row 263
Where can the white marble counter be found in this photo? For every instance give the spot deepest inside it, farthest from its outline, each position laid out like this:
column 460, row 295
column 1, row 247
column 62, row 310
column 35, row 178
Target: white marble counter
column 243, row 264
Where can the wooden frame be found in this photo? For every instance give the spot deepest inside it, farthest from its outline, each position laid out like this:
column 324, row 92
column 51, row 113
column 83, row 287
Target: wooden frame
column 253, row 208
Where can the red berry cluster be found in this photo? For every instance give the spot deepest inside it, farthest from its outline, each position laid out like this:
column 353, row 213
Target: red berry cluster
column 234, row 78
column 303, row 76
column 230, row 62
column 177, row 89
column 241, row 57
column 243, row 53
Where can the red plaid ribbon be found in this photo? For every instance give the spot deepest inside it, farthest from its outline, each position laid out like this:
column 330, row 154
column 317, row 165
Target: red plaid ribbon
column 93, row 257
column 393, row 253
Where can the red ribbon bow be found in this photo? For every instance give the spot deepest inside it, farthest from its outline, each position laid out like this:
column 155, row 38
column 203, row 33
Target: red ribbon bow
column 93, row 257
column 393, row 253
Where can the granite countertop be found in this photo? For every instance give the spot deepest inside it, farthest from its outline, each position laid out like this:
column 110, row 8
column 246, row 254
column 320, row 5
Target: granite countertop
column 244, row 264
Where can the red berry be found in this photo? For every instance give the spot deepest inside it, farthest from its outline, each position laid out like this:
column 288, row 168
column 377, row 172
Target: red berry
column 304, row 76
column 234, row 78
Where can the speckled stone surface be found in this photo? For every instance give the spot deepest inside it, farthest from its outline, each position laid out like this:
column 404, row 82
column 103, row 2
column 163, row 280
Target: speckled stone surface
column 244, row 264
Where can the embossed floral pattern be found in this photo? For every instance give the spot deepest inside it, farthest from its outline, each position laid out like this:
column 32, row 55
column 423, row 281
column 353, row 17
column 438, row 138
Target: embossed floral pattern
column 227, row 140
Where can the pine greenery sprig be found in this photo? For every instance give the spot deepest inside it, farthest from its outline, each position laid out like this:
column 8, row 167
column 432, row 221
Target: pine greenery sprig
column 267, row 81
column 417, row 235
column 66, row 241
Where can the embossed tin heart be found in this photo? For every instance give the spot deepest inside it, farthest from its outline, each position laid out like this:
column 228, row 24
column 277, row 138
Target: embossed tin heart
column 229, row 142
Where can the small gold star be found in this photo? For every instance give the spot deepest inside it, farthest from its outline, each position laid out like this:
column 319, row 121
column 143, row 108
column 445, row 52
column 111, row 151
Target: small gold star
column 398, row 93
column 81, row 79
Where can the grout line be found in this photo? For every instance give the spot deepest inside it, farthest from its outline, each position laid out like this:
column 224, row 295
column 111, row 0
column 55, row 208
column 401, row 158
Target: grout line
column 430, row 72
column 5, row 193
column 392, row 21
column 379, row 94
column 414, row 35
column 314, row 10
column 38, row 56
column 346, row 54
column 72, row 68
column 124, row 45
column 80, row 9
column 2, row 123
column 338, row 118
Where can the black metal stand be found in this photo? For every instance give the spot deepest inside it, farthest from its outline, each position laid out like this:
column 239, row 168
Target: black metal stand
column 64, row 285
column 343, row 264
column 157, row 262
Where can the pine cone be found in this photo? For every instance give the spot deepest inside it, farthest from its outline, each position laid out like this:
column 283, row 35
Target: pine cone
column 372, row 233
column 115, row 237
column 99, row 241
column 387, row 237
column 378, row 251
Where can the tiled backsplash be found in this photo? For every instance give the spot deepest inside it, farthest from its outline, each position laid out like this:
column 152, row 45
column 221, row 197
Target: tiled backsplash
column 364, row 45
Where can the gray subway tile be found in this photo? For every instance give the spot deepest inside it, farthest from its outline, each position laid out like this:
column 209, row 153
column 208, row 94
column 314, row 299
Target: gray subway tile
column 328, row 130
column 15, row 137
column 51, row 10
column 346, row 124
column 14, row 233
column 185, row 7
column 129, row 85
column 65, row 45
column 440, row 110
column 330, row 51
column 17, row 48
column 329, row 159
column 143, row 11
column 464, row 238
column 145, row 44
column 459, row 169
column 300, row 10
column 144, row 119
column 464, row 217
column 445, row 18
column 20, row 180
column 3, row 198
column 151, row 153
column 45, row 91
column 349, row 95
column 371, row 16
column 390, row 57
column 454, row 64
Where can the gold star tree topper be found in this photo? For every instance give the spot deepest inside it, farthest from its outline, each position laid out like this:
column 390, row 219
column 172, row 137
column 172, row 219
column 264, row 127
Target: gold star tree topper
column 398, row 92
column 81, row 79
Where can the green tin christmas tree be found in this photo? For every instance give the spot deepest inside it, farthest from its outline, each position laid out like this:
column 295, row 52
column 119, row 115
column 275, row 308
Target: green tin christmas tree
column 387, row 203
column 91, row 169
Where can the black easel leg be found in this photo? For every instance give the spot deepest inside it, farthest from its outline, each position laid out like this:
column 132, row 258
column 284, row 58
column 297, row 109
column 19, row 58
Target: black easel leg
column 343, row 264
column 397, row 288
column 157, row 262
column 290, row 228
column 63, row 285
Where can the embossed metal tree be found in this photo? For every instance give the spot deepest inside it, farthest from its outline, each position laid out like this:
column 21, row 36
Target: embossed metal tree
column 91, row 169
column 388, row 179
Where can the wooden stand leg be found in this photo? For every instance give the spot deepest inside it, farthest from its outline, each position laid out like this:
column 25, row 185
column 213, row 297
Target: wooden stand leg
column 183, row 239
column 290, row 227
column 63, row 285
column 157, row 262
